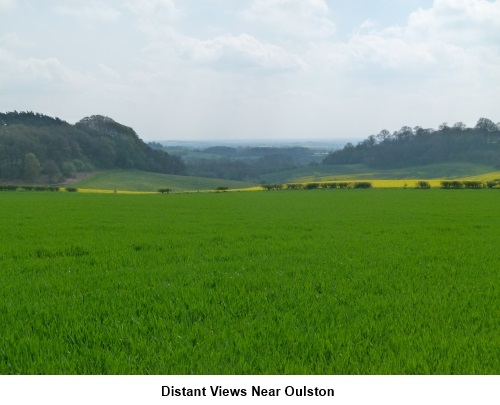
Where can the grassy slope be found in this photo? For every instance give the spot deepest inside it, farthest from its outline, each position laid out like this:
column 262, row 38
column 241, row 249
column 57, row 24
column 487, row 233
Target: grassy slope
column 358, row 171
column 135, row 180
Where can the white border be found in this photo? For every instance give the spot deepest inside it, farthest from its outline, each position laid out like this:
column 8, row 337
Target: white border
column 383, row 390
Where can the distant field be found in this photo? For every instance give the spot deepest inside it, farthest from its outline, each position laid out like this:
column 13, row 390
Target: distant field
column 302, row 282
column 135, row 180
column 361, row 172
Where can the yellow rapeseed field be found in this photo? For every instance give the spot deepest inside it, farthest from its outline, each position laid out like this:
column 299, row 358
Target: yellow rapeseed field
column 376, row 183
column 405, row 183
column 393, row 183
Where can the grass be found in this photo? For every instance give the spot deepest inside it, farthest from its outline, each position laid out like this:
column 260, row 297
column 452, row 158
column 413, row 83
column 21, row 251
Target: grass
column 356, row 172
column 138, row 181
column 135, row 180
column 308, row 282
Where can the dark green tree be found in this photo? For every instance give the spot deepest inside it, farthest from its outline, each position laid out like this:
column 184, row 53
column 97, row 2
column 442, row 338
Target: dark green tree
column 31, row 169
column 51, row 169
column 486, row 124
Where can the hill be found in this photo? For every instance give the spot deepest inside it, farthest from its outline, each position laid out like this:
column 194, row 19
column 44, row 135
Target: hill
column 135, row 180
column 244, row 163
column 417, row 146
column 36, row 148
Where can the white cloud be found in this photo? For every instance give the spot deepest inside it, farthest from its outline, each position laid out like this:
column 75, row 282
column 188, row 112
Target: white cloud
column 154, row 17
column 154, row 9
column 453, row 34
column 94, row 13
column 300, row 18
column 441, row 64
column 461, row 22
column 7, row 4
column 107, row 72
column 230, row 52
column 13, row 41
column 38, row 73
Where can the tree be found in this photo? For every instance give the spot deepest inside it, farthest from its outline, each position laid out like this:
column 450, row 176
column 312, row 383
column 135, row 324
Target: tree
column 68, row 169
column 444, row 127
column 423, row 184
column 486, row 125
column 460, row 126
column 404, row 133
column 51, row 169
column 31, row 167
column 384, row 135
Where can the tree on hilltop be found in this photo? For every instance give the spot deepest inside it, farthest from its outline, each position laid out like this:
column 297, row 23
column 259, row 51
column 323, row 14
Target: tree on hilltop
column 486, row 124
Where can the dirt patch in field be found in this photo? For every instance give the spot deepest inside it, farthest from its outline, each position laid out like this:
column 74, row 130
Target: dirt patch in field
column 76, row 179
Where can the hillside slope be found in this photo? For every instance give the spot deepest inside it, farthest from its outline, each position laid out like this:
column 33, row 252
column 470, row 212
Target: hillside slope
column 35, row 148
column 363, row 172
column 417, row 146
column 135, row 180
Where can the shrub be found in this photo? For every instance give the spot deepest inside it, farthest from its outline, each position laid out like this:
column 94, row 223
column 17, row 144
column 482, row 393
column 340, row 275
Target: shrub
column 451, row 184
column 344, row 185
column 311, row 186
column 269, row 187
column 473, row 184
column 423, row 184
column 222, row 188
column 7, row 187
column 164, row 190
column 45, row 188
column 71, row 189
column 294, row 186
column 363, row 184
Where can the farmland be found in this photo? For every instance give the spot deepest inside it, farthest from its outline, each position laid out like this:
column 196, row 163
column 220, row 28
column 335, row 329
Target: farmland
column 136, row 180
column 298, row 282
column 349, row 172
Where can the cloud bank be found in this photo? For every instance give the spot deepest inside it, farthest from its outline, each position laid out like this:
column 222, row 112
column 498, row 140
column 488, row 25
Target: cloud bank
column 259, row 69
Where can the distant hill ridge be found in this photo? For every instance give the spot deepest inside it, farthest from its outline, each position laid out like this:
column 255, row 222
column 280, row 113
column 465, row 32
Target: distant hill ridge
column 38, row 148
column 418, row 146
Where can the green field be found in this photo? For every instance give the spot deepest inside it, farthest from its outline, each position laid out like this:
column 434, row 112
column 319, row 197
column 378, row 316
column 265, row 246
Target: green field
column 136, row 180
column 298, row 282
column 360, row 171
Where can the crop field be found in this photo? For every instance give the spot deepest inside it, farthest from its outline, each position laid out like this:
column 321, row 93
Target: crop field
column 399, row 182
column 359, row 172
column 373, row 281
column 136, row 180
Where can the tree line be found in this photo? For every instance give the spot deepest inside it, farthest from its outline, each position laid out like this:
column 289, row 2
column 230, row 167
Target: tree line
column 37, row 147
column 316, row 186
column 419, row 146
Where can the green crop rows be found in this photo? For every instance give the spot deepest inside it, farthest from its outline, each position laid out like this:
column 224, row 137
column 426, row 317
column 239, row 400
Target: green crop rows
column 305, row 282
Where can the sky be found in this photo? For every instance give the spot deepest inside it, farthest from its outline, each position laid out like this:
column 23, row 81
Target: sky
column 253, row 69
